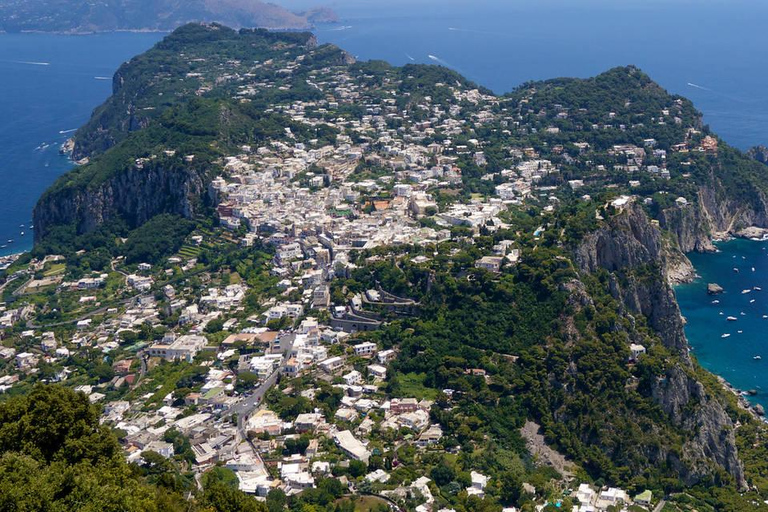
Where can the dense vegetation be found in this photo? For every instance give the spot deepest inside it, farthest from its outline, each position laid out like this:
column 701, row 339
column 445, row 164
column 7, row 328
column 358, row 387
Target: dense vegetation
column 554, row 346
column 170, row 73
column 54, row 455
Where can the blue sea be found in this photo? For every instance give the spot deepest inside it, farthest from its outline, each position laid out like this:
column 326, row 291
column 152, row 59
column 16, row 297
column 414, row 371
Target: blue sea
column 739, row 267
column 712, row 51
column 49, row 84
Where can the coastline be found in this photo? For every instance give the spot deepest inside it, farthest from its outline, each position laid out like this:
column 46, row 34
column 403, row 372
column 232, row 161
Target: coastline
column 684, row 273
column 77, row 32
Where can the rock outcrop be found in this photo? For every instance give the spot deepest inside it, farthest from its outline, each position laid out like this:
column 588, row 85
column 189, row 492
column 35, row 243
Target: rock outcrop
column 759, row 153
column 714, row 289
column 690, row 407
column 688, row 228
column 134, row 196
column 630, row 247
column 721, row 213
column 630, row 242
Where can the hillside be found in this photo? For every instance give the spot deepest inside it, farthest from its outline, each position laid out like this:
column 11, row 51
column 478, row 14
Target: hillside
column 67, row 16
column 515, row 252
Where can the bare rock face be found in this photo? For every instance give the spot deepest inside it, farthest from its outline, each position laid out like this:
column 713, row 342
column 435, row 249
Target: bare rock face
column 631, row 248
column 714, row 289
column 714, row 438
column 135, row 196
column 688, row 227
column 724, row 214
column 629, row 243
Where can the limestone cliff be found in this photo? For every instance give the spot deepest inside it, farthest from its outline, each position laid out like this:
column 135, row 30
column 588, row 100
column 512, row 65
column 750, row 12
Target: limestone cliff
column 722, row 212
column 631, row 248
column 630, row 242
column 135, row 197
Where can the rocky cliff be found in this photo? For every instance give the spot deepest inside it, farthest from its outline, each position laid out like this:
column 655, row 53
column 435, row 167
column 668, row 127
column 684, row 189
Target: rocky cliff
column 632, row 250
column 759, row 153
column 104, row 130
column 716, row 213
column 134, row 196
column 183, row 66
column 630, row 242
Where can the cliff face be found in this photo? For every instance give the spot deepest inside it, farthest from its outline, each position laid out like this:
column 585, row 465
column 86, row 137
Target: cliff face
column 632, row 250
column 631, row 242
column 104, row 127
column 759, row 153
column 135, row 196
column 725, row 214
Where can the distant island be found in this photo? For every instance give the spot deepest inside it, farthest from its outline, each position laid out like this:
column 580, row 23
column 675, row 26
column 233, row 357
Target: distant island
column 80, row 17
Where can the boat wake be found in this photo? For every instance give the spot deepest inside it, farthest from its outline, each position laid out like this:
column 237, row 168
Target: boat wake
column 30, row 63
column 62, row 132
column 695, row 86
column 439, row 60
column 412, row 59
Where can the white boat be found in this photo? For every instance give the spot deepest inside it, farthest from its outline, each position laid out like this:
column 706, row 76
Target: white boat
column 757, row 358
column 715, row 302
column 753, row 300
column 746, row 291
column 739, row 332
column 753, row 269
column 731, row 318
column 726, row 335
column 735, row 270
column 757, row 288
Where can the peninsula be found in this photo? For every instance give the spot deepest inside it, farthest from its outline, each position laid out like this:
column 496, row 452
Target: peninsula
column 81, row 17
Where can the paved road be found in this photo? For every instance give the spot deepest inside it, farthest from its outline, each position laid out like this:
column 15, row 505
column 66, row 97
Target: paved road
column 660, row 506
column 245, row 407
column 7, row 282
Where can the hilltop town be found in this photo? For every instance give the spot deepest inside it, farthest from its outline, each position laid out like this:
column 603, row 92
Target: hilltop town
column 272, row 338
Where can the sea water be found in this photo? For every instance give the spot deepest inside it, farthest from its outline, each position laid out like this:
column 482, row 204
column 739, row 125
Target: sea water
column 49, row 84
column 741, row 268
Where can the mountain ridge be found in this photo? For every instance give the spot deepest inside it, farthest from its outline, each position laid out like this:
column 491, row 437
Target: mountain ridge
column 64, row 16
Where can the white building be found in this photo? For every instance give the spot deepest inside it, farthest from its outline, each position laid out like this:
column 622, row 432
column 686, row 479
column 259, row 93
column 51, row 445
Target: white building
column 365, row 349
